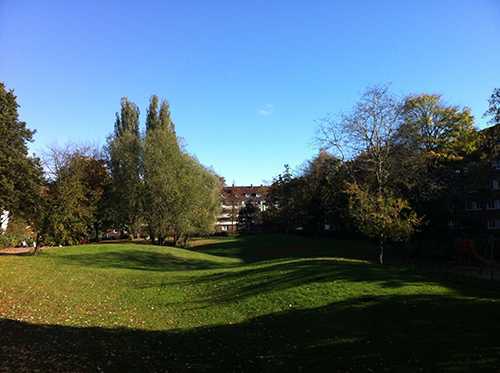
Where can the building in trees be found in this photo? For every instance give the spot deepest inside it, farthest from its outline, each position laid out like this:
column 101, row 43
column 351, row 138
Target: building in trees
column 478, row 209
column 238, row 199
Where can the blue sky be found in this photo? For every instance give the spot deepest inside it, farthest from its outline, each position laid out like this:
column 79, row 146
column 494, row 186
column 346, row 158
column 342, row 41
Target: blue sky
column 246, row 80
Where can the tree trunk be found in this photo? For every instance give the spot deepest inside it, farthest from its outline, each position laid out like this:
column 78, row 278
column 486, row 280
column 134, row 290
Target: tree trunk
column 177, row 239
column 381, row 253
column 151, row 235
column 37, row 244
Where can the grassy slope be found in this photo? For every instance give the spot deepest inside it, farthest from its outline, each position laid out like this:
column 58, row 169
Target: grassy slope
column 265, row 302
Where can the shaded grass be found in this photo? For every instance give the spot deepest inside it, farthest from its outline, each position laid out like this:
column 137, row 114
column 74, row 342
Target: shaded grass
column 255, row 248
column 239, row 304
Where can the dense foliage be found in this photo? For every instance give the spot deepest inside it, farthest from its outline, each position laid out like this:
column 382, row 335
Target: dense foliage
column 20, row 174
column 74, row 197
column 181, row 196
column 158, row 190
column 388, row 169
column 143, row 184
column 125, row 163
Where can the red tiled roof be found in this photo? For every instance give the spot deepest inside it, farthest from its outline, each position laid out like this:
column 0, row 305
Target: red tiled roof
column 239, row 193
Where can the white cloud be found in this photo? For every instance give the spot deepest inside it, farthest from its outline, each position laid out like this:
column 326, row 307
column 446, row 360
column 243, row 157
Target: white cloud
column 266, row 110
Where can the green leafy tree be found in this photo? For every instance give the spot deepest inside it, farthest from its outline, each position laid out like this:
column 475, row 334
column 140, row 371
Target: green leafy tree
column 200, row 200
column 21, row 176
column 439, row 131
column 433, row 143
column 125, row 163
column 153, row 118
column 74, row 198
column 283, row 202
column 382, row 216
column 366, row 139
column 323, row 196
column 162, row 161
column 494, row 107
column 181, row 196
column 17, row 232
column 248, row 218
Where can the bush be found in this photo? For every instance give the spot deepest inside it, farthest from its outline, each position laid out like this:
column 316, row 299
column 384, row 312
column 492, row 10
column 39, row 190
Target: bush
column 6, row 240
column 17, row 232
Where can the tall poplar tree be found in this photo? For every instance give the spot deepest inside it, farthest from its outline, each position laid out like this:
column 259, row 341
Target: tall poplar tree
column 125, row 163
column 181, row 196
column 152, row 119
column 162, row 160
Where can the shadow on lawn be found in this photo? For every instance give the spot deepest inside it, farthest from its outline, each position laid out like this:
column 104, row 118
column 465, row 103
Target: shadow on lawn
column 390, row 333
column 138, row 259
column 254, row 248
column 234, row 285
column 249, row 249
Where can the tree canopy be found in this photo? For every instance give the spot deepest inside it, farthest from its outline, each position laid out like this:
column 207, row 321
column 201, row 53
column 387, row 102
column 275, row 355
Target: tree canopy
column 21, row 175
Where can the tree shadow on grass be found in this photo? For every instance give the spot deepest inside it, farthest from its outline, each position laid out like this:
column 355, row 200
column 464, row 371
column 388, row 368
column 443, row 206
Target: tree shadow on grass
column 255, row 248
column 138, row 260
column 255, row 280
column 397, row 333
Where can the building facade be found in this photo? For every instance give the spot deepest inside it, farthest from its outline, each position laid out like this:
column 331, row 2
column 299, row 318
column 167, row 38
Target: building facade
column 236, row 198
column 481, row 210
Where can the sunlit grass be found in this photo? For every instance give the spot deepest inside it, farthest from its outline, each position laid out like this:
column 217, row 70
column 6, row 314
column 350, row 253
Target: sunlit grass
column 151, row 287
column 242, row 281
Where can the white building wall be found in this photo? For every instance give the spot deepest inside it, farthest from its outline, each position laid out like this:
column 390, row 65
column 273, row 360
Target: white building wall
column 4, row 220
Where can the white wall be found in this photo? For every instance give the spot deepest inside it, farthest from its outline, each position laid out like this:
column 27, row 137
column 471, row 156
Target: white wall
column 4, row 220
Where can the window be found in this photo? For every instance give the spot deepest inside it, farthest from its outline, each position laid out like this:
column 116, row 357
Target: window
column 262, row 206
column 495, row 185
column 497, row 204
column 494, row 224
column 490, row 204
column 472, row 205
column 496, row 164
column 223, row 228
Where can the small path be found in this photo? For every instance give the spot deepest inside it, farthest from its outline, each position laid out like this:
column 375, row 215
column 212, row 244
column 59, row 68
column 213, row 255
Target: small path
column 16, row 251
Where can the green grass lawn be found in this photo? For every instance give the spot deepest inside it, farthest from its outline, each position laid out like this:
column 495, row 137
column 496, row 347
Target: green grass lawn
column 257, row 303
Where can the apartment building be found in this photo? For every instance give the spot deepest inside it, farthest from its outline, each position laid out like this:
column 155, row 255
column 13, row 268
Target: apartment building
column 233, row 199
column 482, row 202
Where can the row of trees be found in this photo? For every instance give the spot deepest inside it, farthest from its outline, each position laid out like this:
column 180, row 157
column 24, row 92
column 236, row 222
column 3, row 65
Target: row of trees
column 389, row 168
column 156, row 184
column 142, row 182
